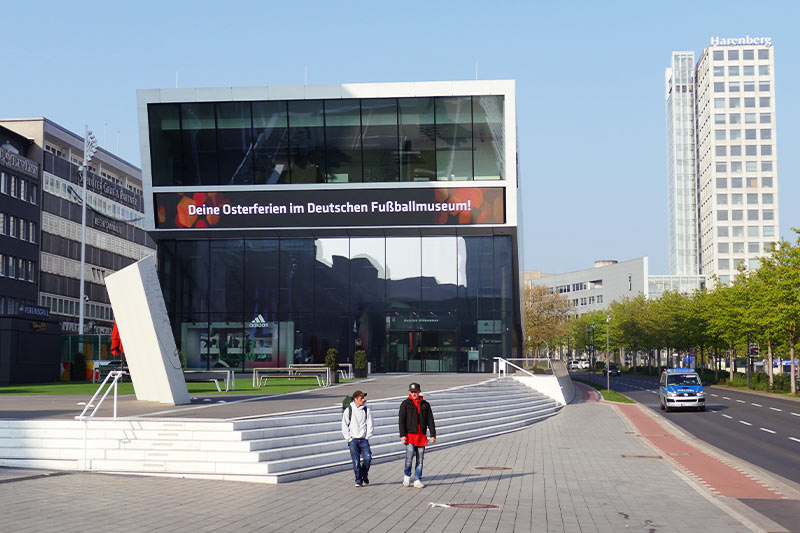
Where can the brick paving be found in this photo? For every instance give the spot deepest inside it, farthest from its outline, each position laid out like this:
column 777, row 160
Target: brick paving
column 567, row 473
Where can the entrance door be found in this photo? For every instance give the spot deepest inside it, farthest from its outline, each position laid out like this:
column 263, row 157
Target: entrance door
column 421, row 351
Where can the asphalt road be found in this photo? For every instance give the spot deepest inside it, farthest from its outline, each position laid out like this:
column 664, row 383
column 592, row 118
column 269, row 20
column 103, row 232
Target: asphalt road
column 762, row 430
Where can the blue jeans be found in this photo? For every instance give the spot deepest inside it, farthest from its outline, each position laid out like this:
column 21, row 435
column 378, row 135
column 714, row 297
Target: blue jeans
column 411, row 452
column 361, row 456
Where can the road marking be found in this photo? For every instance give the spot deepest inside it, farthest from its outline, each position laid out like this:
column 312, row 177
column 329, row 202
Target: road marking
column 654, row 392
column 767, row 430
column 715, row 396
column 776, row 409
column 756, row 404
column 794, row 439
column 725, row 398
column 795, row 414
column 745, row 423
column 727, row 416
column 741, row 401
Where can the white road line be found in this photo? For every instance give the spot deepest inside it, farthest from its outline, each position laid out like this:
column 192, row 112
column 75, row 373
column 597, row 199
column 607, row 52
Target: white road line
column 745, row 423
column 767, row 430
column 727, row 416
column 725, row 398
column 756, row 404
column 795, row 414
column 741, row 401
column 715, row 396
column 654, row 392
column 794, row 439
column 776, row 409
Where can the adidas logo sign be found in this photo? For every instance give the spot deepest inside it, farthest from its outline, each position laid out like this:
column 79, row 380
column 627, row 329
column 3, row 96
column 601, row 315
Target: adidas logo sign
column 258, row 322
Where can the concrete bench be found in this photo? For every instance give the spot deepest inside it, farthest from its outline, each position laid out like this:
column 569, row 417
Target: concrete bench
column 227, row 376
column 262, row 375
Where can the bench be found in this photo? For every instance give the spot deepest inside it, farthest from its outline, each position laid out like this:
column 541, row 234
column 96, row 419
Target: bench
column 216, row 376
column 262, row 375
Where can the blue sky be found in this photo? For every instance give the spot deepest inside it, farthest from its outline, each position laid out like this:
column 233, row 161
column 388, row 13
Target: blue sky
column 590, row 85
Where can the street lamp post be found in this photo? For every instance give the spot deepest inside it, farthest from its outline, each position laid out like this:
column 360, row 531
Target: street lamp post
column 608, row 374
column 89, row 149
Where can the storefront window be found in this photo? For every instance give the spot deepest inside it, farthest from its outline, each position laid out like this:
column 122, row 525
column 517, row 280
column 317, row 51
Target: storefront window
column 454, row 138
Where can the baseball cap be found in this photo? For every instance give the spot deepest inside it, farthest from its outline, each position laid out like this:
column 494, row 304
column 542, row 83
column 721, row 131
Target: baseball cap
column 358, row 394
column 414, row 387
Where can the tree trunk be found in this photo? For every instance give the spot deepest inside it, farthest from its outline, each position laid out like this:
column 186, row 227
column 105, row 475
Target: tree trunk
column 770, row 373
column 791, row 354
column 732, row 366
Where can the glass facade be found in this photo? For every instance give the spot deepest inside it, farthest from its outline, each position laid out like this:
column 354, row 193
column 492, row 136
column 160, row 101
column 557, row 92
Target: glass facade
column 327, row 141
column 430, row 303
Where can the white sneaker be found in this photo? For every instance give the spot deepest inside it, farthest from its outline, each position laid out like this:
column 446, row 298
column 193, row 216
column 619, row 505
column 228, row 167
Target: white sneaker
column 406, row 481
column 418, row 484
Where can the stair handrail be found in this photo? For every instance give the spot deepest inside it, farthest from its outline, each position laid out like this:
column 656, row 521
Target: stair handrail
column 116, row 375
column 501, row 367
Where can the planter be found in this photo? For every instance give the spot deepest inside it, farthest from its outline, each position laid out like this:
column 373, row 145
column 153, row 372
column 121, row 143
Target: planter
column 360, row 372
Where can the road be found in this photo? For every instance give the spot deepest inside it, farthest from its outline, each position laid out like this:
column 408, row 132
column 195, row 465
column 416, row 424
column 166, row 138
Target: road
column 762, row 430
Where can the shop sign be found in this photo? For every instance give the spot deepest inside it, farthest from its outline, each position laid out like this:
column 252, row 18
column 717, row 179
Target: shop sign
column 331, row 208
column 35, row 311
column 488, row 326
column 17, row 162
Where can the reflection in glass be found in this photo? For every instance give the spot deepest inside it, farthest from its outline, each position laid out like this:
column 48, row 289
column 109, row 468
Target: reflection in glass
column 226, row 276
column 271, row 136
column 343, row 141
column 403, row 271
column 454, row 138
column 439, row 268
column 165, row 144
column 332, row 274
column 306, row 141
column 199, row 144
column 379, row 139
column 261, row 279
column 296, row 274
column 234, row 136
column 368, row 271
column 417, row 139
column 487, row 112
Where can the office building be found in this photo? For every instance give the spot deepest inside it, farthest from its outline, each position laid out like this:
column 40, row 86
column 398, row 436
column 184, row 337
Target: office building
column 736, row 184
column 43, row 221
column 292, row 220
column 593, row 289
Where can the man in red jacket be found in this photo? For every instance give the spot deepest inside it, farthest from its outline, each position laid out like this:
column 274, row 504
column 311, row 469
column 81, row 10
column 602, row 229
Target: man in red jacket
column 116, row 344
column 415, row 419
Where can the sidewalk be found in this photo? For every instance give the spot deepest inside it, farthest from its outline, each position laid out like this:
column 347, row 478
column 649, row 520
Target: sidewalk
column 582, row 470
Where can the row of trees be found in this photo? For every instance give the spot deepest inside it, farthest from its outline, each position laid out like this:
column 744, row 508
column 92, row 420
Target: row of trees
column 762, row 306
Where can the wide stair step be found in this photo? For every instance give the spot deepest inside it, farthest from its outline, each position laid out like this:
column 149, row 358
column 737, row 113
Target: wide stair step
column 267, row 449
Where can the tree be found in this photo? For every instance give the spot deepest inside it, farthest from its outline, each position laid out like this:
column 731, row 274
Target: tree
column 781, row 276
column 546, row 316
column 726, row 314
column 631, row 323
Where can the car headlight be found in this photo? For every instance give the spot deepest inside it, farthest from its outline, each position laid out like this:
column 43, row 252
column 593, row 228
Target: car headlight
column 701, row 394
column 672, row 395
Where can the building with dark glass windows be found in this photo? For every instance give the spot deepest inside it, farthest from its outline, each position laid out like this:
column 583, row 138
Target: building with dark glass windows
column 291, row 220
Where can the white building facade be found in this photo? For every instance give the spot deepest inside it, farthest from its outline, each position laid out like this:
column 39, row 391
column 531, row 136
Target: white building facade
column 735, row 157
column 593, row 289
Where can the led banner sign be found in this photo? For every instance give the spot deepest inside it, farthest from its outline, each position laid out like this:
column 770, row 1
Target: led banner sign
column 331, row 208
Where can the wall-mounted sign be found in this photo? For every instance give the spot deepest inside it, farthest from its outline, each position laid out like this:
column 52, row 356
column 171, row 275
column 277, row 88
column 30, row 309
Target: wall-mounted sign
column 736, row 41
column 17, row 162
column 107, row 224
column 331, row 208
column 35, row 311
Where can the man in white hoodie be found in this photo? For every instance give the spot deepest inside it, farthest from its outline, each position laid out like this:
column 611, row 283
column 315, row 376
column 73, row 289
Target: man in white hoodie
column 357, row 428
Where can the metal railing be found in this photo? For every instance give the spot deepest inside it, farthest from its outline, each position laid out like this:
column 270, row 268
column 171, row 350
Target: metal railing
column 116, row 375
column 501, row 366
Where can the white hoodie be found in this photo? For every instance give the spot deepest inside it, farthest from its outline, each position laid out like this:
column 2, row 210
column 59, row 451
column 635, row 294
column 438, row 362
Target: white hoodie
column 360, row 424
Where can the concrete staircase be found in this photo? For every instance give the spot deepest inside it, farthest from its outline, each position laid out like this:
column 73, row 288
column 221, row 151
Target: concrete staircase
column 269, row 449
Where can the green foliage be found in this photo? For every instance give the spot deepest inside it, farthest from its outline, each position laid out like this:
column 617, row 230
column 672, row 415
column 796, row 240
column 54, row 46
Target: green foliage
column 360, row 359
column 332, row 359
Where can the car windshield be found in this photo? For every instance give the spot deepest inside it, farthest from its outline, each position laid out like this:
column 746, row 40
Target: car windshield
column 683, row 379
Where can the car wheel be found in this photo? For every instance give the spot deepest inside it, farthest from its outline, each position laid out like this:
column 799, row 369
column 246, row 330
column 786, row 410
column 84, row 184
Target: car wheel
column 661, row 404
column 702, row 408
column 666, row 407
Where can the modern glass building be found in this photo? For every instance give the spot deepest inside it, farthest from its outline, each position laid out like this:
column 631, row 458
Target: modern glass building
column 681, row 169
column 291, row 220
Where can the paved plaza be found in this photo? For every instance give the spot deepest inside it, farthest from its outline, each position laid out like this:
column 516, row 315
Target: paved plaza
column 585, row 469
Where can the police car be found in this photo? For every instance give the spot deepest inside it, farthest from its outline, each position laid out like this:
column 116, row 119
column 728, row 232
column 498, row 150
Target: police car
column 681, row 388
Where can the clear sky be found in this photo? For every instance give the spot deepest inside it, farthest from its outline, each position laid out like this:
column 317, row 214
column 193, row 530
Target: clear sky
column 590, row 85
